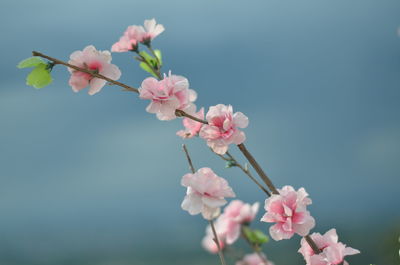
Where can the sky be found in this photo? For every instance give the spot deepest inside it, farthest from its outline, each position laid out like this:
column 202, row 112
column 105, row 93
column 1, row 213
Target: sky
column 96, row 179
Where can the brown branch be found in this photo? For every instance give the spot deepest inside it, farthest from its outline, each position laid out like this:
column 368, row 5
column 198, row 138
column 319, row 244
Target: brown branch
column 246, row 171
column 221, row 255
column 181, row 113
column 257, row 168
column 188, row 159
column 97, row 75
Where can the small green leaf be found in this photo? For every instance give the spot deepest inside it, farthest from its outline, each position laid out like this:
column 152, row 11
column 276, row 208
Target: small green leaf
column 31, row 62
column 146, row 56
column 39, row 77
column 256, row 237
column 260, row 236
column 145, row 67
column 158, row 55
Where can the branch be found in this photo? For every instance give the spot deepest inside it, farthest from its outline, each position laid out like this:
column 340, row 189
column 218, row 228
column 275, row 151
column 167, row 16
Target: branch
column 246, row 171
column 56, row 61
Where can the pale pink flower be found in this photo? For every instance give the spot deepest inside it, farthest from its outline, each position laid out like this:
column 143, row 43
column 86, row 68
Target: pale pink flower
column 168, row 95
column 208, row 242
column 206, row 193
column 192, row 127
column 130, row 40
column 333, row 252
column 254, row 259
column 288, row 210
column 93, row 60
column 135, row 34
column 235, row 215
column 151, row 30
column 222, row 129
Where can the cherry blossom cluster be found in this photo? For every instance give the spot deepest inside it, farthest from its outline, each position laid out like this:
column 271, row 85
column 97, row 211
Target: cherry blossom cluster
column 206, row 193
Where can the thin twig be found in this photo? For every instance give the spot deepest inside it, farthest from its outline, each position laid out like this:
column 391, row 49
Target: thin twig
column 246, row 171
column 181, row 113
column 188, row 159
column 77, row 68
column 221, row 255
column 257, row 168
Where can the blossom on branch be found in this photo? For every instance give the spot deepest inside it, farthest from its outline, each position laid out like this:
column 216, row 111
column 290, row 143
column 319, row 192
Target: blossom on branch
column 129, row 41
column 222, row 128
column 332, row 251
column 192, row 127
column 288, row 210
column 235, row 215
column 151, row 30
column 134, row 34
column 95, row 61
column 205, row 193
column 167, row 95
column 254, row 259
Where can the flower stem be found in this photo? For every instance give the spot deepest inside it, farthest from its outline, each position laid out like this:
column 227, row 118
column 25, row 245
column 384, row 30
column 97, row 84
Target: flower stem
column 220, row 253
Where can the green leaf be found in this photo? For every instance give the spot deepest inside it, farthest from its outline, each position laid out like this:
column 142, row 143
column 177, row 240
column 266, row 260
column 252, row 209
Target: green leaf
column 145, row 67
column 158, row 55
column 146, row 56
column 261, row 238
column 256, row 237
column 31, row 62
column 39, row 77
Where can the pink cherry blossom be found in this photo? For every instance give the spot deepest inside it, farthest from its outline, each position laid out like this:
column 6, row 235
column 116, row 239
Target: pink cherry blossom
column 235, row 215
column 288, row 210
column 96, row 61
column 129, row 41
column 206, row 193
column 168, row 95
column 222, row 129
column 208, row 242
column 254, row 259
column 192, row 127
column 151, row 30
column 134, row 34
column 333, row 252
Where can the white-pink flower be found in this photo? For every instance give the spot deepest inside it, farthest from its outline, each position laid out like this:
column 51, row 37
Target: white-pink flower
column 288, row 210
column 129, row 40
column 332, row 251
column 222, row 128
column 192, row 127
column 235, row 215
column 206, row 193
column 254, row 259
column 208, row 242
column 93, row 60
column 135, row 34
column 168, row 95
column 151, row 30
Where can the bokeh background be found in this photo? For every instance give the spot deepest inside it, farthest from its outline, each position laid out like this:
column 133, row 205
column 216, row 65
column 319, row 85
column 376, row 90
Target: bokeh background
column 96, row 180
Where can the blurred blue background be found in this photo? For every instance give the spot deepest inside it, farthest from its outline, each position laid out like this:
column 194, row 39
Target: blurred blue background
column 96, row 179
